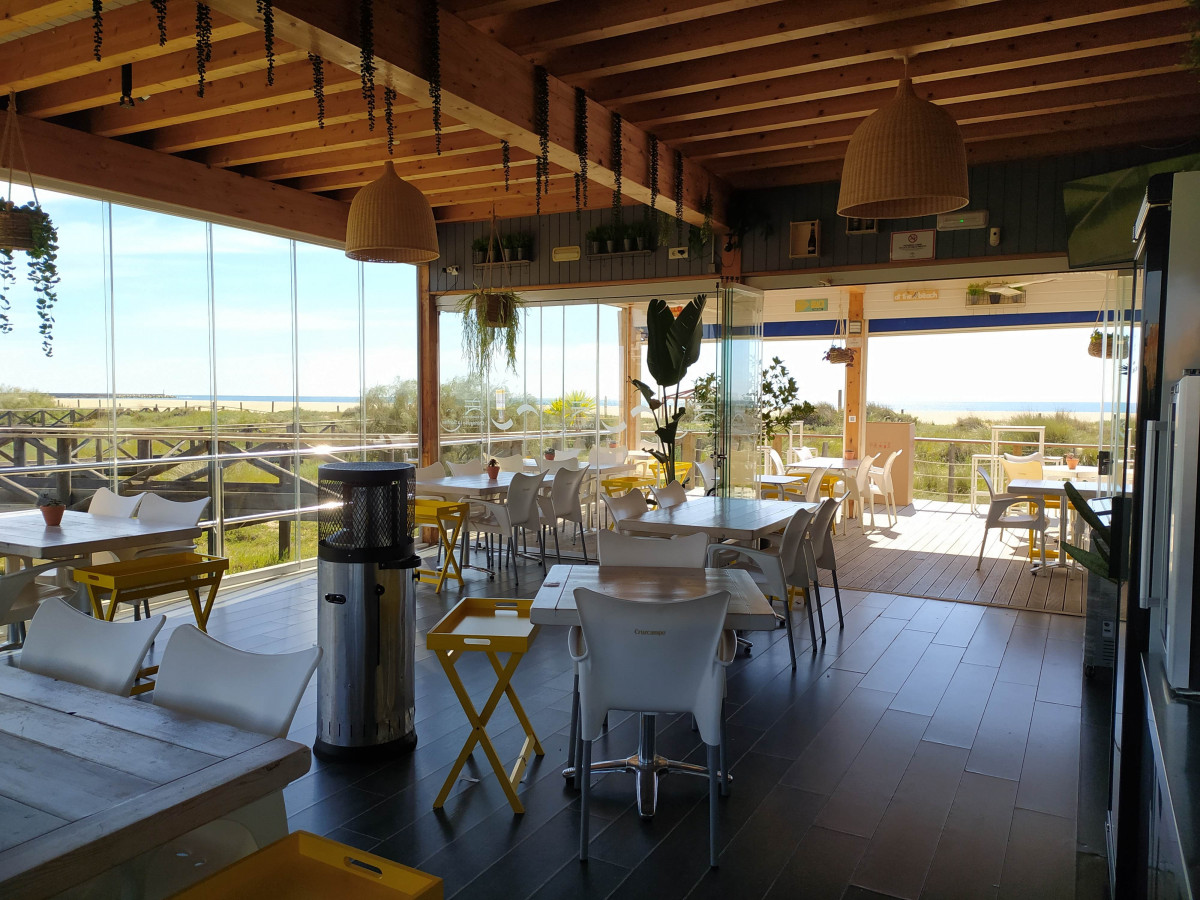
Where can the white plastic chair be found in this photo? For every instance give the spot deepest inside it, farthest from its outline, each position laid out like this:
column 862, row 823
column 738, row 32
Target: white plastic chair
column 201, row 677
column 429, row 473
column 620, row 508
column 820, row 536
column 670, row 495
column 554, row 466
column 511, row 463
column 708, row 473
column 106, row 503
column 780, row 570
column 685, row 552
column 560, row 455
column 154, row 508
column 518, row 510
column 998, row 516
column 21, row 594
column 66, row 644
column 812, row 489
column 663, row 657
column 881, row 486
column 610, row 456
column 471, row 467
column 858, row 489
column 772, row 463
column 563, row 502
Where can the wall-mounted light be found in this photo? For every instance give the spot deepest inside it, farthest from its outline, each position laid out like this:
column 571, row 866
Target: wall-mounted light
column 126, row 100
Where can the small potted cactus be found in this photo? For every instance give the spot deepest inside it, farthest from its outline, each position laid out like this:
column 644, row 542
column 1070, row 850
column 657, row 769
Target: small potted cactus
column 493, row 469
column 549, row 453
column 52, row 509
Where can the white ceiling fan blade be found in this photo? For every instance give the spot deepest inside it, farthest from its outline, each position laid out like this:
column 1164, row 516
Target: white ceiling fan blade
column 1021, row 284
column 1005, row 290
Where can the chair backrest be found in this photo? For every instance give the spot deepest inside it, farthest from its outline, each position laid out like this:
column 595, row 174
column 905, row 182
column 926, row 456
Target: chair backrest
column 202, row 677
column 617, row 549
column 433, row 470
column 707, row 472
column 657, row 656
column 470, row 467
column 512, row 463
column 1022, row 467
column 987, row 479
column 671, row 495
column 175, row 512
column 887, row 466
column 107, row 503
column 773, row 463
column 630, row 504
column 813, row 490
column 567, row 454
column 863, row 475
column 564, row 492
column 66, row 644
column 522, row 497
column 796, row 570
column 821, row 532
column 610, row 456
column 557, row 464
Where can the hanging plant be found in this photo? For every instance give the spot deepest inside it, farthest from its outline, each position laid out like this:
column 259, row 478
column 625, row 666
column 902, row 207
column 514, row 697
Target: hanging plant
column 366, row 69
column 389, row 107
column 1107, row 346
column 491, row 313
column 617, row 160
column 434, row 24
column 653, row 171
column 506, row 160
column 678, row 196
column 267, row 10
column 203, row 43
column 318, row 67
column 581, row 149
column 541, row 124
column 97, row 27
column 160, row 13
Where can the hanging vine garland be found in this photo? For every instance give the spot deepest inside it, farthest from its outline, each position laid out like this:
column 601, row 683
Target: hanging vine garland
column 160, row 13
column 318, row 67
column 366, row 40
column 653, row 171
column 678, row 196
column 97, row 27
column 617, row 164
column 541, row 122
column 506, row 159
column 266, row 9
column 203, row 43
column 581, row 148
column 434, row 24
column 389, row 103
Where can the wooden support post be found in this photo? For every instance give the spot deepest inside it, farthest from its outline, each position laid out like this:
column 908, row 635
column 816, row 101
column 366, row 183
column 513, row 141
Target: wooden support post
column 950, row 459
column 63, row 447
column 428, row 376
column 631, row 367
column 855, row 423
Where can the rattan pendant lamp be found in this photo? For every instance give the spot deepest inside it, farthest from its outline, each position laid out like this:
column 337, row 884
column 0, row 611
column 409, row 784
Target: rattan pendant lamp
column 906, row 159
column 391, row 221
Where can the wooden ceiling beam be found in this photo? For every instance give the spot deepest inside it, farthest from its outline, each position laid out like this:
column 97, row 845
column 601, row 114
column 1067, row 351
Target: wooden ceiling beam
column 21, row 15
column 850, row 102
column 130, row 35
column 916, row 37
column 479, row 210
column 484, row 85
column 473, row 10
column 416, row 170
column 113, row 170
column 562, row 185
column 339, row 159
column 521, row 179
column 819, row 79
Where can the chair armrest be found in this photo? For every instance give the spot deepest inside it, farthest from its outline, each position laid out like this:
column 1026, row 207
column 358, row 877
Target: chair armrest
column 727, row 647
column 575, row 643
column 1002, row 504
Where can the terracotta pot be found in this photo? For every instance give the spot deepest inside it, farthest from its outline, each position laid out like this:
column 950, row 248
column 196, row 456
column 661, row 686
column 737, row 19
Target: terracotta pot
column 549, row 454
column 493, row 472
column 1072, row 462
column 52, row 514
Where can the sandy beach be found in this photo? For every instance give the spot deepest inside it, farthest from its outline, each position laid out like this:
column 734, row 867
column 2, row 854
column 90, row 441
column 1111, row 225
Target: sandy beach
column 175, row 402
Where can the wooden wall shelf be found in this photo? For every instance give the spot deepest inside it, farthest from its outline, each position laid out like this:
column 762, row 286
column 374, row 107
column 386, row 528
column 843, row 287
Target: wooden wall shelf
column 620, row 254
column 502, row 264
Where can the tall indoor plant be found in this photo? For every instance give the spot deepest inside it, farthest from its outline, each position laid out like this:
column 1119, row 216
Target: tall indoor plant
column 672, row 346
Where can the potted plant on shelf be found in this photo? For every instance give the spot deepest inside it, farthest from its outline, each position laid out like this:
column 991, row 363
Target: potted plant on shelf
column 524, row 244
column 52, row 509
column 479, row 247
column 595, row 238
column 508, row 246
column 608, row 238
column 493, row 469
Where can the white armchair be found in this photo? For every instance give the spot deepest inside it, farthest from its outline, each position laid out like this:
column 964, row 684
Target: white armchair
column 999, row 515
column 563, row 501
column 519, row 510
column 881, row 485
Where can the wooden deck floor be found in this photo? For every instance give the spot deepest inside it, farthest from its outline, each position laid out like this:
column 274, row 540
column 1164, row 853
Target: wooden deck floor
column 931, row 552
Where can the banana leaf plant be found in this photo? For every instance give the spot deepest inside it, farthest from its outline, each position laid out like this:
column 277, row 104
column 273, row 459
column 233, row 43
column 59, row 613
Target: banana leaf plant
column 672, row 346
column 1098, row 560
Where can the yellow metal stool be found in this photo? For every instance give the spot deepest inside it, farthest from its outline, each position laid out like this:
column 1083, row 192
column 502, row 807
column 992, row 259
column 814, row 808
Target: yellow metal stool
column 440, row 514
column 493, row 627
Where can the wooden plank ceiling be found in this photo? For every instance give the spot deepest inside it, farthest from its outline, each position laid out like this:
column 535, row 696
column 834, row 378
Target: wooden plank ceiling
column 755, row 94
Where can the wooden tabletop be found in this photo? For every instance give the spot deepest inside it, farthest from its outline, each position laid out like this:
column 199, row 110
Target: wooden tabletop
column 89, row 780
column 1050, row 486
column 837, row 463
column 721, row 518
column 555, row 600
column 25, row 533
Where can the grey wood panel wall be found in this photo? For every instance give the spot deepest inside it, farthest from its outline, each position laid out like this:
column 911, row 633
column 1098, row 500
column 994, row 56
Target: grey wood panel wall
column 1024, row 199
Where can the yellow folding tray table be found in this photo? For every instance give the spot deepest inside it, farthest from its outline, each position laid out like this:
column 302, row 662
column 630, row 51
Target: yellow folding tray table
column 133, row 580
column 448, row 517
column 492, row 626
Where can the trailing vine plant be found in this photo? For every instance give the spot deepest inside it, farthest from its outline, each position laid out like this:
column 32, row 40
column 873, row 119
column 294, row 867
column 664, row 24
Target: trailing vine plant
column 366, row 41
column 434, row 24
column 389, row 107
column 653, row 171
column 581, row 150
column 1191, row 56
column 506, row 160
column 266, row 9
column 203, row 43
column 541, row 122
column 160, row 13
column 318, row 67
column 617, row 162
column 43, row 273
column 97, row 27
column 678, row 196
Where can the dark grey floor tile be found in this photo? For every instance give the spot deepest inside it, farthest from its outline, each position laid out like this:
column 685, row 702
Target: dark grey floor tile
column 960, row 625
column 1067, row 628
column 1029, row 618
column 1062, row 673
column 1040, row 863
column 595, row 879
column 864, row 652
column 353, row 839
column 819, row 868
column 897, row 662
column 1022, row 661
column 857, row 893
column 923, row 690
column 999, row 748
column 970, row 855
column 902, row 607
column 957, row 717
column 932, row 615
column 804, row 719
column 1050, row 775
column 829, row 755
column 900, row 851
column 990, row 639
column 880, row 601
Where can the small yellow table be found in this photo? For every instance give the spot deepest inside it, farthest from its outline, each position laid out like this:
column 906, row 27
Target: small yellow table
column 440, row 514
column 492, row 626
column 138, row 579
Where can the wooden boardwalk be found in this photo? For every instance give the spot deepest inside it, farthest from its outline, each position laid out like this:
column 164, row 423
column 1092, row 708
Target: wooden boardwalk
column 932, row 550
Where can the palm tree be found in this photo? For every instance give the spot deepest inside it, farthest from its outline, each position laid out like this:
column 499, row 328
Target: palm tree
column 575, row 409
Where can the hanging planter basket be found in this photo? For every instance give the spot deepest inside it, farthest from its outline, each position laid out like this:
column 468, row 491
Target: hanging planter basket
column 498, row 309
column 839, row 355
column 1107, row 347
column 16, row 227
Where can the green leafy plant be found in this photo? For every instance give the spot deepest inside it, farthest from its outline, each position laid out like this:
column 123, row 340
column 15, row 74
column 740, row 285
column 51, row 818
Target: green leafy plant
column 744, row 217
column 672, row 346
column 490, row 328
column 43, row 271
column 1098, row 561
column 47, row 499
column 780, row 404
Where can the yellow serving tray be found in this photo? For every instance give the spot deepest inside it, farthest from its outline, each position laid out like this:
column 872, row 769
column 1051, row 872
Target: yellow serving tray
column 150, row 570
column 484, row 623
column 304, row 866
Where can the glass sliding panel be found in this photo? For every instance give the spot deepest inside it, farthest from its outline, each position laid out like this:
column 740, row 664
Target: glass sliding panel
column 390, row 358
column 463, row 420
column 740, row 312
column 552, row 380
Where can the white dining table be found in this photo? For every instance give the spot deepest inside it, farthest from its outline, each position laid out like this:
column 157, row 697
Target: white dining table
column 721, row 518
column 25, row 535
column 1041, row 487
column 833, row 463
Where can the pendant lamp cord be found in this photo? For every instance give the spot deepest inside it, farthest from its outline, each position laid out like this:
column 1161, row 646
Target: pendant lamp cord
column 11, row 143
